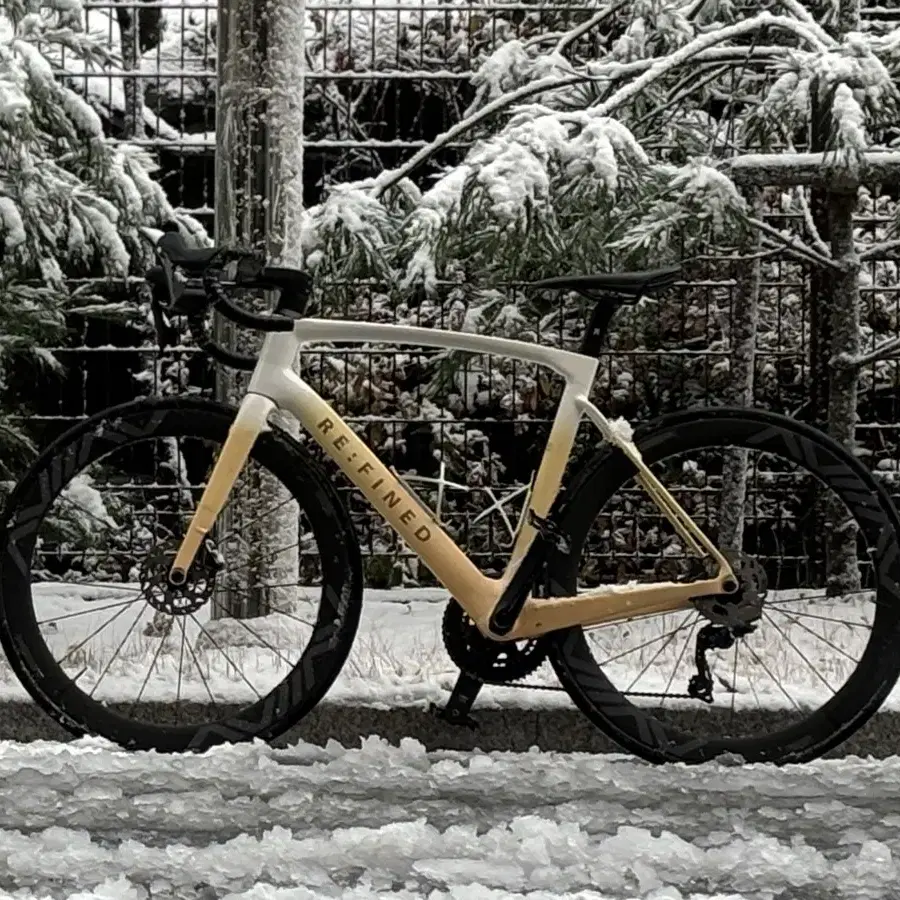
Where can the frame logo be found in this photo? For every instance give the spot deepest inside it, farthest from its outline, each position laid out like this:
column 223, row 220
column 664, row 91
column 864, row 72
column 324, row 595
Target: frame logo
column 409, row 515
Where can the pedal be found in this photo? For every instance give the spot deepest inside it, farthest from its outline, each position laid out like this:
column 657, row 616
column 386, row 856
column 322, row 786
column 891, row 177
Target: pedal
column 461, row 701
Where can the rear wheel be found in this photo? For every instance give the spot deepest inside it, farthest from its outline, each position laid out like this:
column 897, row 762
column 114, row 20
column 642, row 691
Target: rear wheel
column 816, row 551
column 107, row 646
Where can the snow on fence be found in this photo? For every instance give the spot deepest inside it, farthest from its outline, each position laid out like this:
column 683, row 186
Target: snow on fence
column 384, row 78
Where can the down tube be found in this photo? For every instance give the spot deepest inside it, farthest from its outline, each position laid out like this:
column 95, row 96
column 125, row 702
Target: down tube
column 475, row 592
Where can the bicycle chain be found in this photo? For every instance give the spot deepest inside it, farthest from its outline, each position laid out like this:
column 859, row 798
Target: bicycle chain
column 553, row 687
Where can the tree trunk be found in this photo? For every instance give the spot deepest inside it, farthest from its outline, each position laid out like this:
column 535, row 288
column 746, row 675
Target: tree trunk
column 133, row 114
column 842, row 565
column 739, row 392
column 259, row 178
column 821, row 301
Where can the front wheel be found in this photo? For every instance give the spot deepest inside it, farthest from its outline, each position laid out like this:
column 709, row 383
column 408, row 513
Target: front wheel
column 107, row 646
column 814, row 537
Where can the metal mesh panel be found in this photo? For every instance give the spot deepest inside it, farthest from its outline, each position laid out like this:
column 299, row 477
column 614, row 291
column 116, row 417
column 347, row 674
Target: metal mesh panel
column 386, row 79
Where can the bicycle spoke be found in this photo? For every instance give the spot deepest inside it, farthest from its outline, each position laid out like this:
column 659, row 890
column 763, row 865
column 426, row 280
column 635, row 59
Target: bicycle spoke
column 687, row 642
column 266, row 557
column 113, row 586
column 116, row 652
column 768, row 671
column 653, row 659
column 196, row 661
column 246, row 525
column 146, row 681
column 264, row 642
column 640, row 647
column 86, row 512
column 815, row 634
column 94, row 633
column 734, row 664
column 228, row 659
column 86, row 612
column 805, row 615
column 180, row 670
column 800, row 653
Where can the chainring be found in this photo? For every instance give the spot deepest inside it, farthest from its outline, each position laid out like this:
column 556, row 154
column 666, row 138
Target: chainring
column 491, row 662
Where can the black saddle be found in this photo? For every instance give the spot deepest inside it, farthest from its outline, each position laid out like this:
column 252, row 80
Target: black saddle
column 624, row 284
column 629, row 284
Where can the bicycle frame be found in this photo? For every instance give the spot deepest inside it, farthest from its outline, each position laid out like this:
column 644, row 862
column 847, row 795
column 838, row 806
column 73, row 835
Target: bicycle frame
column 275, row 384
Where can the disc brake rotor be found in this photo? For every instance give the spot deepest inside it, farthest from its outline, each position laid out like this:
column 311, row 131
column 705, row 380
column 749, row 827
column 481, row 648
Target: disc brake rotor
column 743, row 607
column 182, row 599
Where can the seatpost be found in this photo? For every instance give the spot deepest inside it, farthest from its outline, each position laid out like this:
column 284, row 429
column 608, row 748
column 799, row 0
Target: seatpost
column 597, row 325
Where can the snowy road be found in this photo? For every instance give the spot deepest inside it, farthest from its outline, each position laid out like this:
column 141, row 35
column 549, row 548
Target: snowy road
column 82, row 820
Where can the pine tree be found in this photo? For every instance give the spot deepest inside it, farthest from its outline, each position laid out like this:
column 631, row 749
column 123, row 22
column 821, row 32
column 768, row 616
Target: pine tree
column 71, row 200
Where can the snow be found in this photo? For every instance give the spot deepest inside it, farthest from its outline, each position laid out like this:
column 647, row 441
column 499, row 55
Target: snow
column 398, row 658
column 622, row 427
column 849, row 120
column 13, row 228
column 248, row 822
column 14, row 105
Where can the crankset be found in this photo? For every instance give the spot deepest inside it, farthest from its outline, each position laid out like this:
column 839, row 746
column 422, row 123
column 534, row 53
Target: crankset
column 482, row 661
column 491, row 662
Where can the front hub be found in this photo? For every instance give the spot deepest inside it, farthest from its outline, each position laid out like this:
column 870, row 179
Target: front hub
column 178, row 599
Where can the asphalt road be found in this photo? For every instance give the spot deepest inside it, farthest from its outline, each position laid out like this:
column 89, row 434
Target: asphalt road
column 563, row 730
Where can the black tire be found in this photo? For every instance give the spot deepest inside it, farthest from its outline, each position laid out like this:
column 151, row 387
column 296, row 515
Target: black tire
column 339, row 602
column 640, row 729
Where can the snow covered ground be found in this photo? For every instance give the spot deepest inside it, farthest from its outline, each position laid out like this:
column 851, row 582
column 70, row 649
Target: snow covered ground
column 399, row 658
column 248, row 822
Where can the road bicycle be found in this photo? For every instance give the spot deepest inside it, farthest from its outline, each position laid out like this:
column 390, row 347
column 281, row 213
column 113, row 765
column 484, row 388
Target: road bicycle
column 557, row 592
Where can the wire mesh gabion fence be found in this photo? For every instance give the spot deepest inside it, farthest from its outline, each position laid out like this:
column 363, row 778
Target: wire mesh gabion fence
column 384, row 79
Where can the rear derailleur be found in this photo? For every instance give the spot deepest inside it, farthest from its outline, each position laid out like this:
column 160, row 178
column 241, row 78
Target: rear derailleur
column 712, row 637
column 481, row 661
column 731, row 616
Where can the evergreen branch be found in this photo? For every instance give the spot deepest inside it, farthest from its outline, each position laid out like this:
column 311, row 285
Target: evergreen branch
column 690, row 83
column 794, row 244
column 735, row 257
column 387, row 179
column 664, row 65
column 579, row 30
column 652, row 69
column 818, row 243
column 693, row 9
column 565, row 38
column 876, row 250
column 887, row 350
column 806, row 17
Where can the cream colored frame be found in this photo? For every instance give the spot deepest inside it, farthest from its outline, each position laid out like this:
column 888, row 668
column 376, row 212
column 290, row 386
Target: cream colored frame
column 275, row 384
